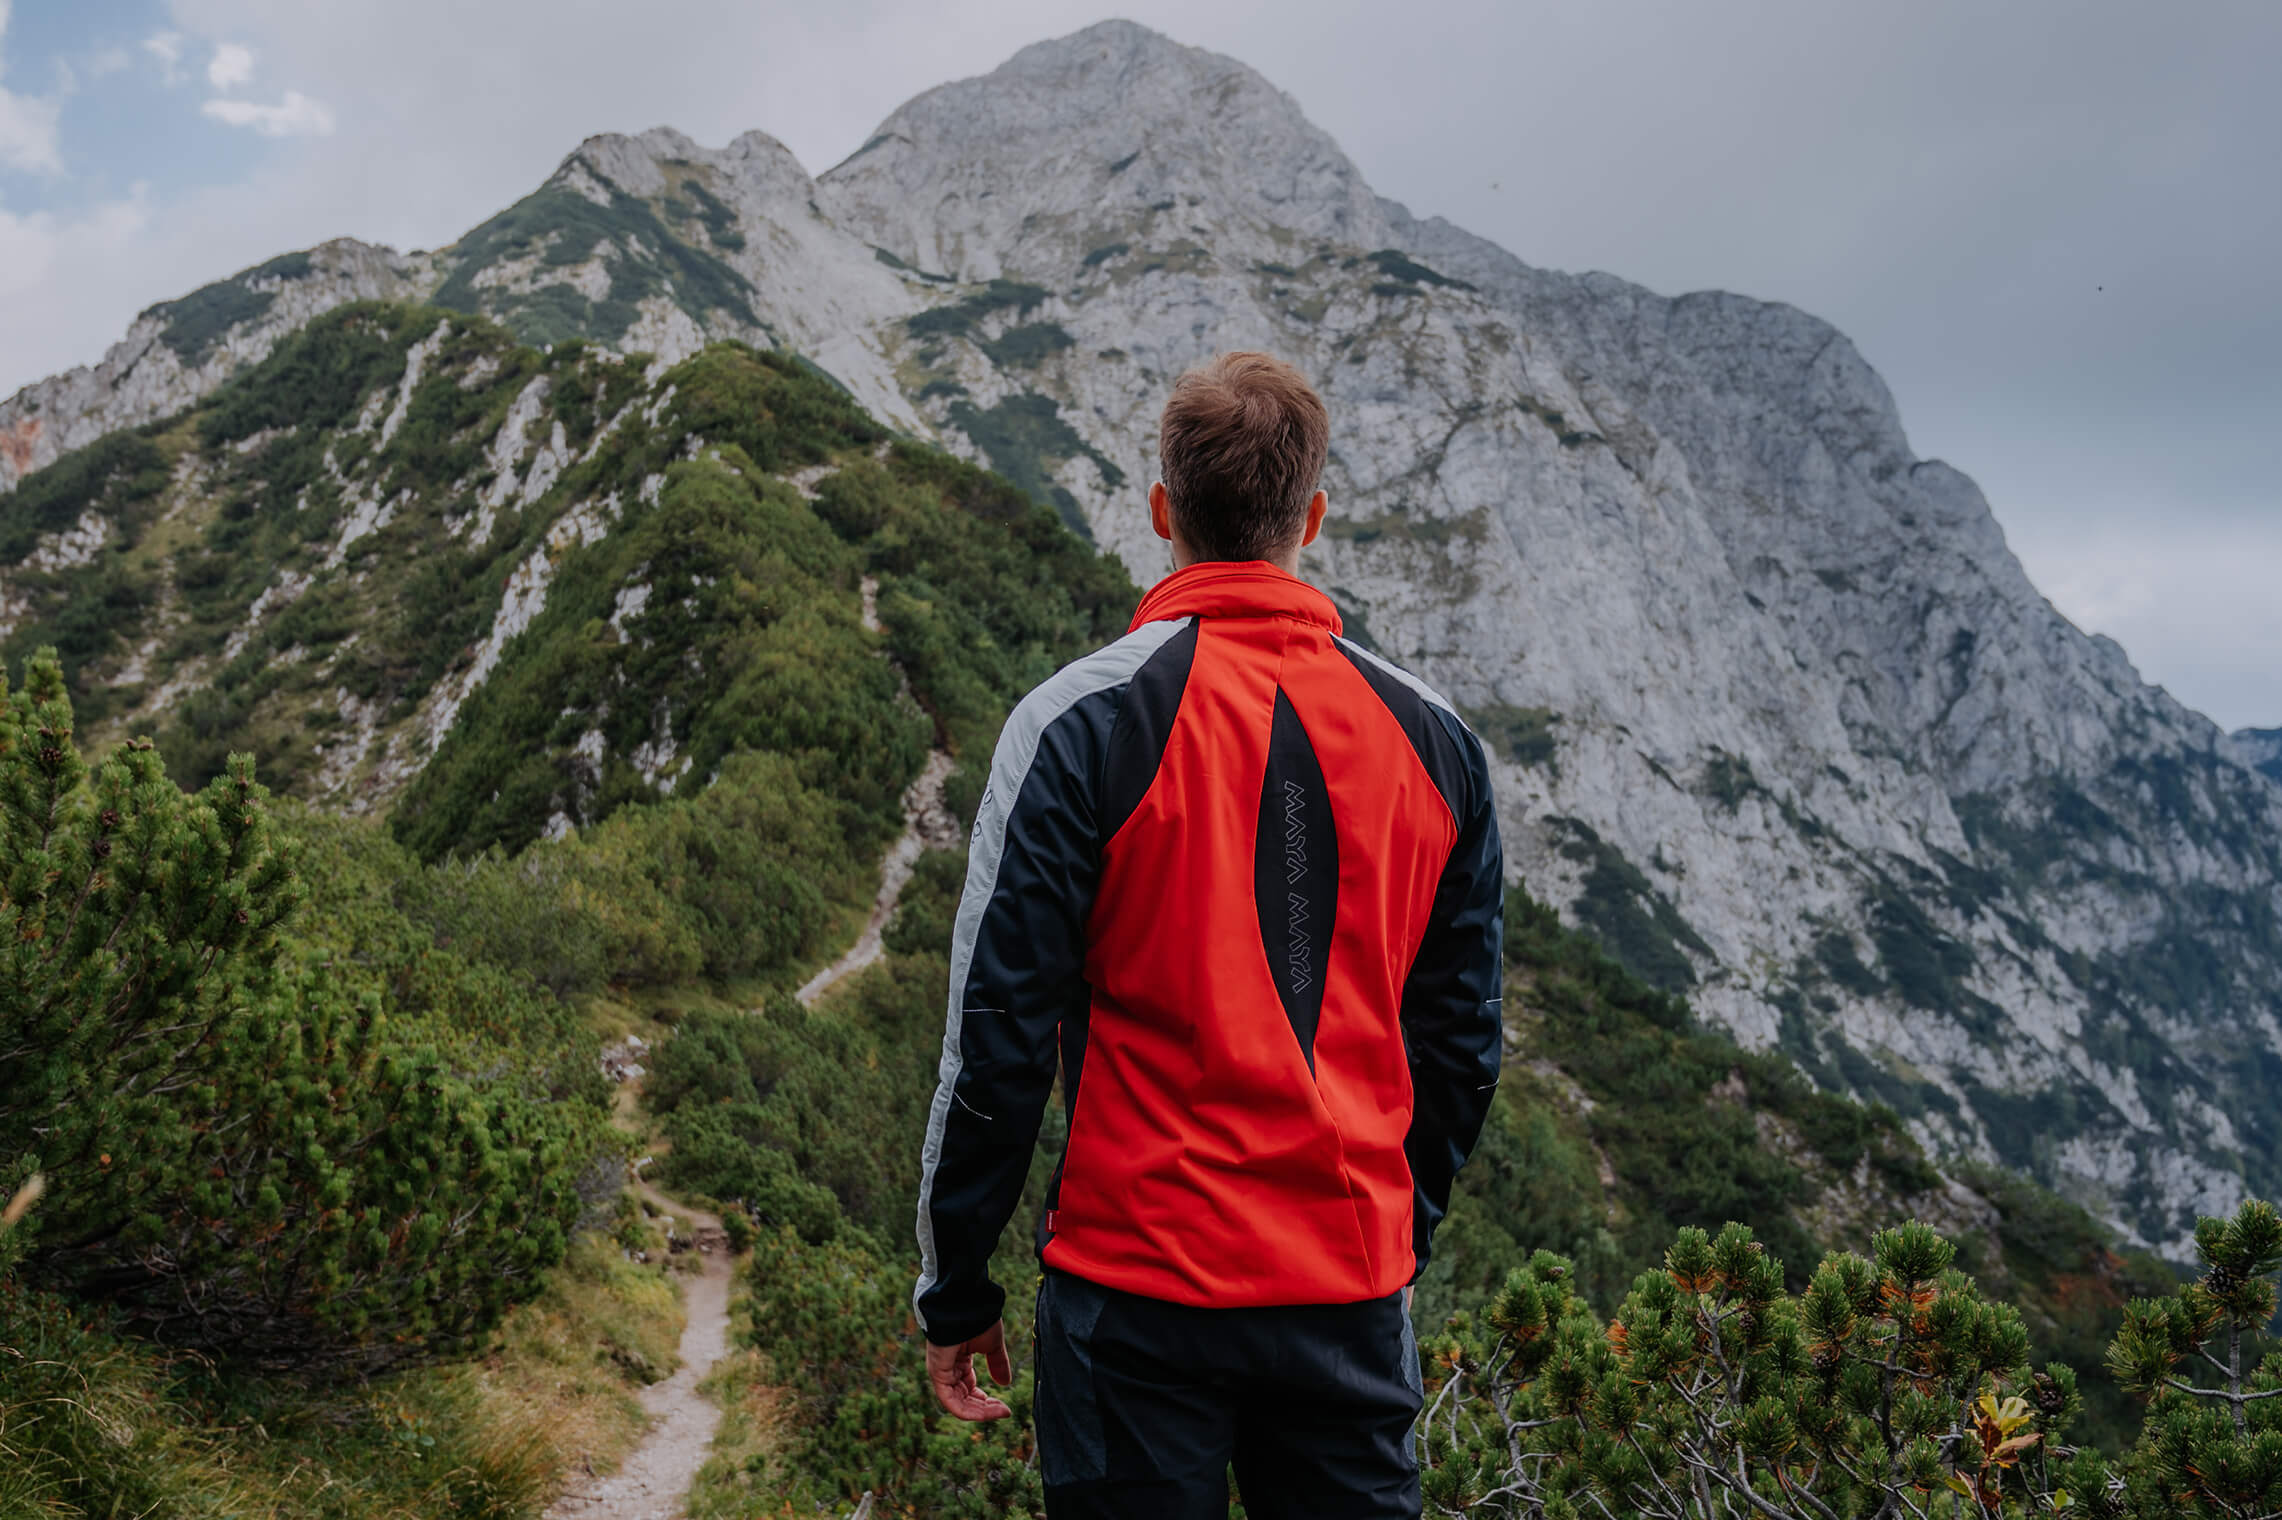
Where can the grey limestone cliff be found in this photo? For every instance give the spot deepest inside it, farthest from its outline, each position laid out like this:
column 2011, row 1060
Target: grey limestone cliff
column 178, row 351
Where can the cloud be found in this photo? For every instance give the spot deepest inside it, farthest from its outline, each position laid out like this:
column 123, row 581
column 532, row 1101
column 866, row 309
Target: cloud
column 294, row 116
column 72, row 279
column 166, row 47
column 28, row 134
column 27, row 123
column 233, row 65
column 2191, row 602
column 39, row 248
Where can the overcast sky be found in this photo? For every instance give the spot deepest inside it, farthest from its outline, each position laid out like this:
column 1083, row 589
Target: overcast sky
column 2055, row 226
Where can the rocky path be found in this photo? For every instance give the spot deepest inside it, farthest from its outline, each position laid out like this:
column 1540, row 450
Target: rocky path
column 926, row 825
column 654, row 1483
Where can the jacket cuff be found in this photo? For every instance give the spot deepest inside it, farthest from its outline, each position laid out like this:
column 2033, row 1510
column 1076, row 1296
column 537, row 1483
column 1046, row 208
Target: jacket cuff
column 954, row 1316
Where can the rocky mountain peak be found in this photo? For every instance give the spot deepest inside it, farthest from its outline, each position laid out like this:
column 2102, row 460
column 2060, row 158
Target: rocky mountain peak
column 762, row 160
column 1108, row 132
column 644, row 164
column 635, row 164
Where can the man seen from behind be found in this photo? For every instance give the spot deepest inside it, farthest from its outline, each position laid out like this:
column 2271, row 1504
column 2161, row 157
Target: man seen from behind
column 1236, row 879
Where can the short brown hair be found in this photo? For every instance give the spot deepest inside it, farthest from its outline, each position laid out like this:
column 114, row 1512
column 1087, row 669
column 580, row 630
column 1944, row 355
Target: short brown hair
column 1240, row 448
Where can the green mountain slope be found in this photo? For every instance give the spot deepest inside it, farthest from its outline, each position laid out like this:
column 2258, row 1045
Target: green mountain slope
column 326, row 562
column 502, row 962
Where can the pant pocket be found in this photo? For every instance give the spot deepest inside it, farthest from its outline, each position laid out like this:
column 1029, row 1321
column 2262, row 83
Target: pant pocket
column 1071, row 1446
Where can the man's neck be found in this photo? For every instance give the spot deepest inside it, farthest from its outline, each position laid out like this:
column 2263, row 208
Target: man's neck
column 1288, row 562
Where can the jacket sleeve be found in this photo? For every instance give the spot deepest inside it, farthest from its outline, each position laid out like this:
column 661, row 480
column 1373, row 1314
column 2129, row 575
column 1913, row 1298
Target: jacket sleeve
column 1452, row 1010
column 1017, row 969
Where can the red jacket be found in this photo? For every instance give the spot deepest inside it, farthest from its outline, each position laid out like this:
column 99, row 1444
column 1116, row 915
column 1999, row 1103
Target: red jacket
column 1243, row 878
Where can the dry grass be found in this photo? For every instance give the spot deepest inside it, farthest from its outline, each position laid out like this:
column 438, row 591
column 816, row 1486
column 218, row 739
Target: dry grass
column 739, row 1480
column 491, row 1438
column 90, row 1434
column 571, row 1359
column 94, row 1425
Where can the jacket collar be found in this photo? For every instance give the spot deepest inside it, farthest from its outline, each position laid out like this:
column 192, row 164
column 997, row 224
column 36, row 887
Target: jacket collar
column 1235, row 588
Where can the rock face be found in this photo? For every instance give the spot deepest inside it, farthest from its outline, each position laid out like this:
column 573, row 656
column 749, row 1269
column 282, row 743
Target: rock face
column 1779, row 715
column 180, row 350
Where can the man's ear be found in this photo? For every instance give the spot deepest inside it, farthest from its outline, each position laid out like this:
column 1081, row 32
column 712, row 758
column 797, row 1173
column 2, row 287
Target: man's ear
column 1316, row 507
column 1161, row 510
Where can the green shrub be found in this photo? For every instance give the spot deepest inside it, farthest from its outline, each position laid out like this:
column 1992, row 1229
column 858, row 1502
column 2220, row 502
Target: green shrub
column 694, row 202
column 1027, row 346
column 1624, row 910
column 751, row 640
column 116, row 476
column 2206, row 1360
column 733, row 1148
column 1884, row 1388
column 90, row 611
column 319, row 378
column 1678, row 1155
column 1025, row 437
column 262, row 1163
column 958, row 319
column 738, row 878
column 805, row 1115
column 195, row 323
column 1523, row 735
column 570, row 918
column 835, row 1322
column 327, row 1196
column 1888, row 1386
column 1397, row 265
column 565, row 228
column 137, row 922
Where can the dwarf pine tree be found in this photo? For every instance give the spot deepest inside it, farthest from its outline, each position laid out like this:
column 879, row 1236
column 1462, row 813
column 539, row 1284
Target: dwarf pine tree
column 1889, row 1388
column 240, row 1152
column 2213, row 1441
column 134, row 924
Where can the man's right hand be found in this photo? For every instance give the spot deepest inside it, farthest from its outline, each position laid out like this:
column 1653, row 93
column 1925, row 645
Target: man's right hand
column 951, row 1373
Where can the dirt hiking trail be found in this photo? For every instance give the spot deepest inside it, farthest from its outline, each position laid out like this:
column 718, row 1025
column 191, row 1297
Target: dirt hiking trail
column 654, row 1483
column 926, row 825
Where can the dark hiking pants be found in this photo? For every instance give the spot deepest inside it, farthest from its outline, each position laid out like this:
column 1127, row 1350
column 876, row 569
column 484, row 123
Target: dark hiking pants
column 1143, row 1406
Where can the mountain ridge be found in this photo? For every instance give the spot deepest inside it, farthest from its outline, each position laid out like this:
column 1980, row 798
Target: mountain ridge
column 1779, row 716
column 2261, row 749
